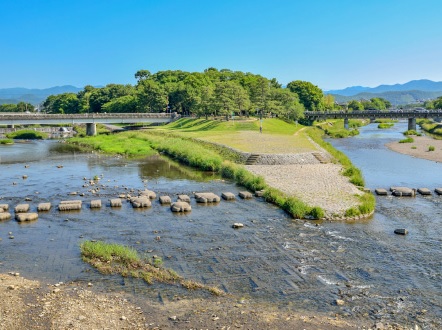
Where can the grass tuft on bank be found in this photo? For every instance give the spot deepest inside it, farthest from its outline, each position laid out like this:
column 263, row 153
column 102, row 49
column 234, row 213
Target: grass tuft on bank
column 118, row 259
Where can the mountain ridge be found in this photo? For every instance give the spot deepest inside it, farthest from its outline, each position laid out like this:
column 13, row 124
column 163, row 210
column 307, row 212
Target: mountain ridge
column 425, row 85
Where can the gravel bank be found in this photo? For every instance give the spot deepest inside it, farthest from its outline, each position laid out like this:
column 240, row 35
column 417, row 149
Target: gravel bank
column 421, row 151
column 316, row 184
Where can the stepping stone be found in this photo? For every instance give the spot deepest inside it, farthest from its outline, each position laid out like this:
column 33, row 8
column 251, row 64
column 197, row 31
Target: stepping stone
column 245, row 194
column 21, row 208
column 165, row 200
column 228, row 196
column 438, row 191
column 148, row 193
column 180, row 207
column 184, row 198
column 401, row 231
column 115, row 202
column 259, row 193
column 424, row 191
column 95, row 204
column 5, row 207
column 21, row 217
column 69, row 206
column 404, row 192
column 207, row 198
column 5, row 216
column 139, row 202
column 237, row 225
column 44, row 207
column 381, row 192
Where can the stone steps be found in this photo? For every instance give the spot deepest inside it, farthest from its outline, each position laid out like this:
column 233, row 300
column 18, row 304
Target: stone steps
column 320, row 157
column 252, row 159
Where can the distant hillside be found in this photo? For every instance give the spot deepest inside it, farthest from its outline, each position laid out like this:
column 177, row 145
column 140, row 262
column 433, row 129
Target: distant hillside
column 414, row 85
column 396, row 98
column 33, row 96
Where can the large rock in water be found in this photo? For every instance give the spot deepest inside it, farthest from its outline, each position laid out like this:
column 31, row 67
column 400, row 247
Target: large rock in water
column 165, row 200
column 180, row 207
column 21, row 217
column 245, row 194
column 438, row 191
column 208, row 197
column 138, row 202
column 184, row 198
column 21, row 208
column 424, row 191
column 115, row 202
column 381, row 192
column 403, row 192
column 4, row 207
column 44, row 207
column 401, row 231
column 5, row 216
column 228, row 196
column 148, row 193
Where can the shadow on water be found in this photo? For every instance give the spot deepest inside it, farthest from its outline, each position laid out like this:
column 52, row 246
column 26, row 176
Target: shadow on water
column 292, row 263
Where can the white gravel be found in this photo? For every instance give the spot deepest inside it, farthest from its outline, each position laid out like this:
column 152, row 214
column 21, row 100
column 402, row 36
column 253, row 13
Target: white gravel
column 316, row 184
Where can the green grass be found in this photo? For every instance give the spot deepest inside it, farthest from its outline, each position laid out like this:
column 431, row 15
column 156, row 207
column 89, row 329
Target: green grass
column 435, row 129
column 336, row 129
column 385, row 125
column 431, row 148
column 6, row 141
column 412, row 132
column 119, row 259
column 26, row 134
column 407, row 140
column 385, row 120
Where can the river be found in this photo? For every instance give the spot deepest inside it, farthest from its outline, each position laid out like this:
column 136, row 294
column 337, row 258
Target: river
column 295, row 264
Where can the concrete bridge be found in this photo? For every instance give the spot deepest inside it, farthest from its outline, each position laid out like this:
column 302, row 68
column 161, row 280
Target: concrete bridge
column 411, row 115
column 90, row 119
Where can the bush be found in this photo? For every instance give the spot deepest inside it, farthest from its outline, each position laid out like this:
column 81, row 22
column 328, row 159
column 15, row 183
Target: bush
column 6, row 141
column 431, row 148
column 385, row 125
column 27, row 135
column 412, row 132
column 316, row 212
column 407, row 140
column 295, row 207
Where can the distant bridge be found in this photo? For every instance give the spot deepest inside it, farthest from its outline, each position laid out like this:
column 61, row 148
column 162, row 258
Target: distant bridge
column 90, row 119
column 411, row 115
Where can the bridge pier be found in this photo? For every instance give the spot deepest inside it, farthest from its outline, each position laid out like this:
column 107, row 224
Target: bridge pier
column 346, row 123
column 10, row 126
column 411, row 124
column 91, row 129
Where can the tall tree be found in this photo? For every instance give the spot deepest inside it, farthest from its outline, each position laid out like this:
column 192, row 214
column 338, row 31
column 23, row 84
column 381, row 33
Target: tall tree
column 309, row 95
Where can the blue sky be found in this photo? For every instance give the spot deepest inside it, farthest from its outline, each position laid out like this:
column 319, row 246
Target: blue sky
column 331, row 43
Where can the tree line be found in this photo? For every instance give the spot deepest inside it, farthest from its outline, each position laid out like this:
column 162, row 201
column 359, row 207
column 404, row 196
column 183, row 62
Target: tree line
column 19, row 107
column 375, row 103
column 210, row 93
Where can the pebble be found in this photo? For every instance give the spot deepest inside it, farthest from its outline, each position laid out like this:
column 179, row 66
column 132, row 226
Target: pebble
column 123, row 318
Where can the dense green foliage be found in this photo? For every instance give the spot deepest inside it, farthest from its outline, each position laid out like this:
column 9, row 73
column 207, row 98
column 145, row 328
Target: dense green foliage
column 19, row 107
column 336, row 129
column 209, row 93
column 6, row 141
column 27, row 135
column 431, row 127
column 375, row 103
column 310, row 96
column 412, row 132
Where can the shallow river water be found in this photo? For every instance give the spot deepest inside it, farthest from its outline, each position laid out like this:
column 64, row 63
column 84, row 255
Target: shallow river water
column 296, row 264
